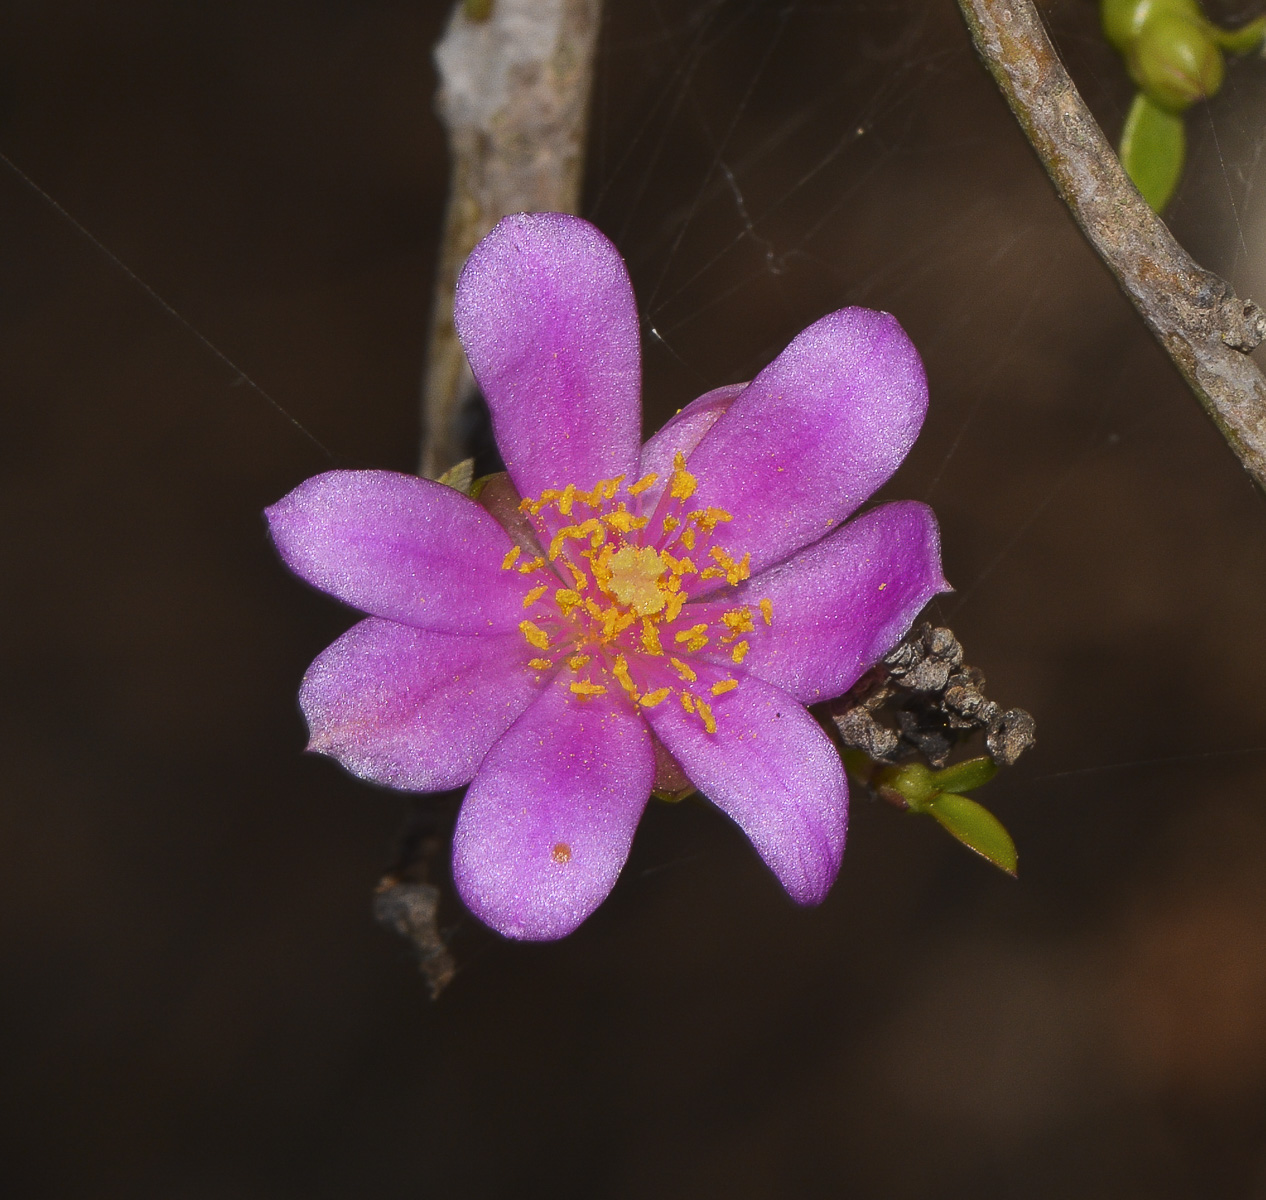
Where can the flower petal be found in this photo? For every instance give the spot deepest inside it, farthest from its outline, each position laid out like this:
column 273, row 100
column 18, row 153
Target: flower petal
column 772, row 770
column 414, row 709
column 680, row 435
column 813, row 435
column 547, row 823
column 546, row 314
column 842, row 604
column 400, row 547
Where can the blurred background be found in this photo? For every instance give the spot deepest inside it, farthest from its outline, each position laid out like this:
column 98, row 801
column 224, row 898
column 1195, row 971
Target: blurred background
column 197, row 1003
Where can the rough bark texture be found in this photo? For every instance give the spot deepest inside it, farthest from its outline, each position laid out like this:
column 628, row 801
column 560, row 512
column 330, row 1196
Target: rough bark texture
column 1204, row 327
column 514, row 97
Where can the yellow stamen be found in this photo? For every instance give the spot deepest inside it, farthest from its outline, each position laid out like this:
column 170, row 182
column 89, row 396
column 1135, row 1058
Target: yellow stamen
column 709, row 518
column 650, row 637
column 567, row 599
column 683, row 670
column 739, row 652
column 688, row 538
column 583, row 688
column 536, row 636
column 670, row 523
column 577, row 661
column 580, row 578
column 713, row 573
column 658, row 696
column 687, row 701
column 685, row 635
column 737, row 620
column 511, row 555
column 767, row 611
column 531, row 565
column 647, row 481
column 674, row 606
column 709, row 721
column 725, row 685
column 620, row 669
column 567, row 499
column 540, row 664
column 683, row 483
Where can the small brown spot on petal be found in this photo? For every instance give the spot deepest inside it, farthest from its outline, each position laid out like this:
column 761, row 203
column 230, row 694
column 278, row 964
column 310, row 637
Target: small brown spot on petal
column 561, row 853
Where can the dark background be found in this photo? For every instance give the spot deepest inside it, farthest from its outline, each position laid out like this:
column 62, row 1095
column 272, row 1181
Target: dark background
column 197, row 1003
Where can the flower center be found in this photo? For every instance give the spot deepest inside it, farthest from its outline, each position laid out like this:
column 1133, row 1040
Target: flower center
column 606, row 598
column 637, row 579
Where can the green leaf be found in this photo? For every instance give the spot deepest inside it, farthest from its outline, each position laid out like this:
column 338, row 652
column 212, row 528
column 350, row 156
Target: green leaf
column 965, row 776
column 977, row 828
column 1240, row 41
column 1153, row 144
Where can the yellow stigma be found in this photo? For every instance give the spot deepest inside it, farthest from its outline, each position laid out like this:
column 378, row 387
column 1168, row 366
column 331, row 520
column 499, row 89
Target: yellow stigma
column 635, row 575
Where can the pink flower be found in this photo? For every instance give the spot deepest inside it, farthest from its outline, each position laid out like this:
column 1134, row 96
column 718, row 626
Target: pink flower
column 682, row 600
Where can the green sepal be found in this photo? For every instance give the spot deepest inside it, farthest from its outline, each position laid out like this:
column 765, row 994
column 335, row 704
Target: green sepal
column 461, row 477
column 1153, row 145
column 1240, row 41
column 910, row 786
column 965, row 776
column 977, row 828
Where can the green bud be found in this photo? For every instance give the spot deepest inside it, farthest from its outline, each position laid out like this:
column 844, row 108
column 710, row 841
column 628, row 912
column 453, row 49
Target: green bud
column 1124, row 19
column 977, row 828
column 1175, row 61
column 910, row 786
column 1153, row 144
column 965, row 776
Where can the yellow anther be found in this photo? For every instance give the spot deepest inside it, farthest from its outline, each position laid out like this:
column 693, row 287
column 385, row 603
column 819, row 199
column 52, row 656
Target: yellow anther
column 740, row 570
column 712, row 573
column 683, row 670
column 650, row 637
column 580, row 578
column 533, row 564
column 688, row 538
column 687, row 701
column 683, row 483
column 647, row 481
column 683, row 566
column 567, row 599
column 709, row 518
column 767, row 611
column 658, row 696
column 577, row 661
column 615, row 622
column 709, row 721
column 511, row 555
column 583, row 688
column 536, row 637
column 725, row 685
column 567, row 499
column 592, row 608
column 609, row 487
column 540, row 664
column 670, row 523
column 620, row 669
column 686, row 635
column 738, row 620
column 739, row 653
column 673, row 609
column 534, row 595
column 527, row 504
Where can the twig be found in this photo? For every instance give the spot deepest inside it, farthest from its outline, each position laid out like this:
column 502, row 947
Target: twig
column 514, row 97
column 1203, row 326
